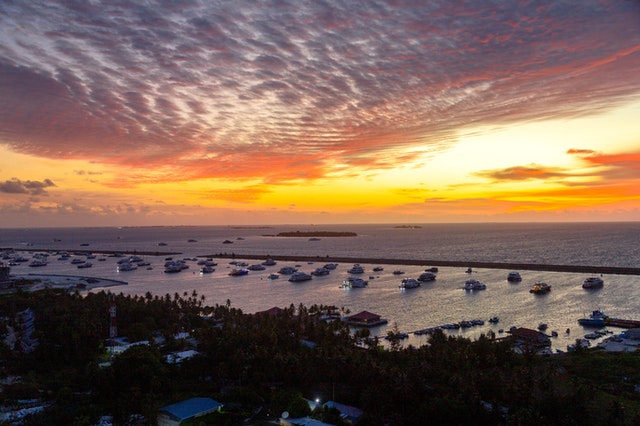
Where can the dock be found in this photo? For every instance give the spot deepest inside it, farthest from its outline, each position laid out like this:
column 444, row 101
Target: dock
column 622, row 323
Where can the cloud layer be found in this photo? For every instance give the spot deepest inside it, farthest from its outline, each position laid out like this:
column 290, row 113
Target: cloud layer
column 295, row 90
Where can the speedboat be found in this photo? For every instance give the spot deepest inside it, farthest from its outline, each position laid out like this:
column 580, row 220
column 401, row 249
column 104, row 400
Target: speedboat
column 398, row 272
column 473, row 285
column 540, row 288
column 514, row 276
column 269, row 262
column 427, row 276
column 38, row 261
column 378, row 269
column 85, row 265
column 299, row 276
column 593, row 282
column 206, row 269
column 354, row 282
column 127, row 266
column 356, row 269
column 273, row 276
column 409, row 283
column 235, row 272
column 331, row 266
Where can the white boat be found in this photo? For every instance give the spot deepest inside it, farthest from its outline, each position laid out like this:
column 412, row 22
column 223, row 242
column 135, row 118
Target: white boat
column 410, row 283
column 318, row 272
column 354, row 282
column 287, row 270
column 356, row 269
column 427, row 276
column 127, row 266
column 256, row 267
column 593, row 282
column 206, row 269
column 514, row 276
column 299, row 276
column 473, row 285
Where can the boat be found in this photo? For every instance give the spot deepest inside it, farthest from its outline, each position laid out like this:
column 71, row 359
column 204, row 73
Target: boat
column 206, row 269
column 356, row 269
column 287, row 270
column 299, row 276
column 427, row 276
column 595, row 319
column 433, row 269
column 127, row 266
column 514, row 276
column 85, row 265
column 469, row 270
column 77, row 261
column 473, row 285
column 273, row 276
column 235, row 272
column 38, row 262
column 354, row 282
column 540, row 288
column 318, row 272
column 378, row 269
column 409, row 283
column 593, row 282
column 398, row 272
column 494, row 320
column 269, row 262
column 330, row 266
column 256, row 267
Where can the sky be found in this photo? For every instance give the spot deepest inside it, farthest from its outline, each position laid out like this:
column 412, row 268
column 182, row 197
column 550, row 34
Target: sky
column 121, row 113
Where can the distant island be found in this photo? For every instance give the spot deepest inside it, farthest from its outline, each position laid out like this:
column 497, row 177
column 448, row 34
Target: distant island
column 408, row 226
column 317, row 234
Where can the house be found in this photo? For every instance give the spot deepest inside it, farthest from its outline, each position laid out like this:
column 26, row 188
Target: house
column 349, row 414
column 301, row 421
column 366, row 319
column 530, row 338
column 176, row 414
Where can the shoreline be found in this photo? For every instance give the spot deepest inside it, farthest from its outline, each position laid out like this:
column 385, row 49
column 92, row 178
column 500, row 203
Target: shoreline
column 77, row 282
column 615, row 270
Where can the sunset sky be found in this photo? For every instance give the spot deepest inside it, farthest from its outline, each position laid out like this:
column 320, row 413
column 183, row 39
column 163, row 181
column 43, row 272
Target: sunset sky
column 266, row 112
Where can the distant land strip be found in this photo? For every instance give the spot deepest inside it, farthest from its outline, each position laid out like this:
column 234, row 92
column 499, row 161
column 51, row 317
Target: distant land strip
column 453, row 263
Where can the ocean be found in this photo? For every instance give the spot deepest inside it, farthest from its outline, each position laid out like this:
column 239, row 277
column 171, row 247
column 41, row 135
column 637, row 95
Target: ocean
column 434, row 303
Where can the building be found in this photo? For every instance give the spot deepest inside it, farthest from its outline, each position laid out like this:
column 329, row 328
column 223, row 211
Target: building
column 189, row 409
column 349, row 414
column 530, row 338
column 366, row 319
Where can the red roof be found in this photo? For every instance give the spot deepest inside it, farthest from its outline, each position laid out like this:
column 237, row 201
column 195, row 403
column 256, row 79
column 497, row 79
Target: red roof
column 365, row 316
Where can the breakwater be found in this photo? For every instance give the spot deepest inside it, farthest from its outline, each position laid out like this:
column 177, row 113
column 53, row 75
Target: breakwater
column 435, row 262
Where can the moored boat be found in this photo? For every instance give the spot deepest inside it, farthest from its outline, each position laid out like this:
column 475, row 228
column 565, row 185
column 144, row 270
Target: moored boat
column 354, row 282
column 356, row 269
column 474, row 285
column 299, row 276
column 514, row 276
column 408, row 283
column 427, row 276
column 540, row 288
column 593, row 282
column 235, row 272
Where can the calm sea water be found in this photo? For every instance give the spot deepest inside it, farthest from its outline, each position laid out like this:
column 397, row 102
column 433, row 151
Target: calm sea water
column 439, row 302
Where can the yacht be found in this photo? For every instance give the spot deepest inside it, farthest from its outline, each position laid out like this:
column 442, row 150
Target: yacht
column 299, row 276
column 427, row 276
column 514, row 276
column 256, row 267
column 331, row 266
column 206, row 269
column 356, row 269
column 473, row 284
column 409, row 283
column 318, row 272
column 595, row 319
column 38, row 261
column 287, row 270
column 354, row 282
column 540, row 288
column 593, row 282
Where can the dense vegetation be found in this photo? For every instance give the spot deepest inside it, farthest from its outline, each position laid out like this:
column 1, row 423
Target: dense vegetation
column 258, row 366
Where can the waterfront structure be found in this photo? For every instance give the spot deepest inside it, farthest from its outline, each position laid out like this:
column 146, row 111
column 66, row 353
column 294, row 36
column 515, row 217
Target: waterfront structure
column 187, row 410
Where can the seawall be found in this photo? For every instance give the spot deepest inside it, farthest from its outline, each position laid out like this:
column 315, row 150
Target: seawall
column 616, row 270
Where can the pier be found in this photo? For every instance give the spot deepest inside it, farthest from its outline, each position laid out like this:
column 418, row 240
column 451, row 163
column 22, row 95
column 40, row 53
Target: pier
column 586, row 269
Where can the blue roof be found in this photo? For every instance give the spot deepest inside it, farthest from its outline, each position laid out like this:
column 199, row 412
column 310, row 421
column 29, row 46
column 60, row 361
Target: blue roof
column 193, row 407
